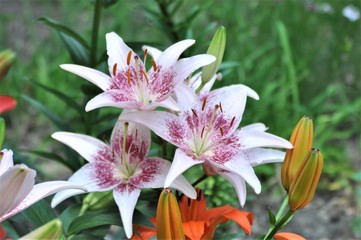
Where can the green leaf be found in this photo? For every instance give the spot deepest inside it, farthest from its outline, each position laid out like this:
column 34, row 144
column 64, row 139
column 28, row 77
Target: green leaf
column 271, row 217
column 94, row 219
column 49, row 114
column 39, row 213
column 69, row 215
column 71, row 164
column 2, row 132
column 65, row 30
column 69, row 101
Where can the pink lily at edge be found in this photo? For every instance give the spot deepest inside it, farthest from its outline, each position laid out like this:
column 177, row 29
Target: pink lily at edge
column 205, row 132
column 121, row 166
column 130, row 85
column 17, row 189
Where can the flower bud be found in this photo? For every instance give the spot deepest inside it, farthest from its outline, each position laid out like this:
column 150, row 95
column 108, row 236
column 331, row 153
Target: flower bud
column 7, row 103
column 169, row 220
column 304, row 185
column 2, row 133
column 7, row 58
column 301, row 140
column 98, row 200
column 51, row 230
column 216, row 48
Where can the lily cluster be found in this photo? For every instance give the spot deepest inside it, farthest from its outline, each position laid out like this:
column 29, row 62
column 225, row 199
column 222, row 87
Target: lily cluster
column 202, row 124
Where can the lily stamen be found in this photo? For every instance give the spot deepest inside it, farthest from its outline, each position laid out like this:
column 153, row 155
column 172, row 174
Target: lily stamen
column 232, row 121
column 194, row 112
column 221, row 131
column 204, row 103
column 145, row 76
column 128, row 75
column 128, row 57
column 220, row 106
column 145, row 56
column 115, row 69
column 123, row 159
column 202, row 132
column 154, row 65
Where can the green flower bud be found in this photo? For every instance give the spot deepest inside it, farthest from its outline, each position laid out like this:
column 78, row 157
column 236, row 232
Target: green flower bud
column 51, row 230
column 98, row 200
column 301, row 140
column 216, row 48
column 2, row 133
column 304, row 185
column 7, row 58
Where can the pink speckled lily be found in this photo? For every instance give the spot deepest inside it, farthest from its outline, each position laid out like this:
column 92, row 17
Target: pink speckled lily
column 17, row 189
column 130, row 85
column 205, row 132
column 121, row 166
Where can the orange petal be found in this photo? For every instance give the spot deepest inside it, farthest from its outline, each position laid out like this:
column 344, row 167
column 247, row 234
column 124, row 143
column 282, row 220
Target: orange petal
column 144, row 232
column 194, row 229
column 288, row 236
column 242, row 218
column 7, row 103
column 193, row 209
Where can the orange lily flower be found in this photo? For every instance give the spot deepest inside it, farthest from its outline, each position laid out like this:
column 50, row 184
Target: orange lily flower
column 288, row 236
column 200, row 222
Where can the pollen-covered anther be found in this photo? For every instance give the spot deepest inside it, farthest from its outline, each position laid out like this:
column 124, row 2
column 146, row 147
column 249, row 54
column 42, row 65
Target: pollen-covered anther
column 115, row 69
column 128, row 57
column 232, row 121
column 220, row 106
column 145, row 76
column 221, row 130
column 204, row 103
column 154, row 65
column 195, row 113
column 145, row 55
column 128, row 76
column 202, row 132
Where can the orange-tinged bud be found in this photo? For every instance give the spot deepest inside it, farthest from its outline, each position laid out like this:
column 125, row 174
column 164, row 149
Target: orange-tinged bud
column 169, row 220
column 301, row 140
column 7, row 58
column 303, row 187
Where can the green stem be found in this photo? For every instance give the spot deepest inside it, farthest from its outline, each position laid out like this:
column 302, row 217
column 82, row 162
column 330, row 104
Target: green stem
column 94, row 40
column 201, row 179
column 282, row 208
column 279, row 225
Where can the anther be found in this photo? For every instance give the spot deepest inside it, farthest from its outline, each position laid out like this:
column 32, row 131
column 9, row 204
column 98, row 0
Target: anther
column 221, row 131
column 202, row 132
column 115, row 69
column 194, row 112
column 128, row 57
column 145, row 76
column 128, row 75
column 154, row 65
column 232, row 121
column 145, row 55
column 204, row 103
column 220, row 106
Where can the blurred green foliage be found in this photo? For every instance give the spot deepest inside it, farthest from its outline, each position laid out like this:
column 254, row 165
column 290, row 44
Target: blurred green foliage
column 301, row 61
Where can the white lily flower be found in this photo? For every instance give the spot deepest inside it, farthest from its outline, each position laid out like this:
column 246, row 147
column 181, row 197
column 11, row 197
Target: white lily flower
column 17, row 189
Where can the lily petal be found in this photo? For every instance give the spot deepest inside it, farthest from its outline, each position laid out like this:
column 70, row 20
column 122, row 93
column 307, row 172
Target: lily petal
column 164, row 124
column 126, row 198
column 242, row 168
column 117, row 51
column 154, row 52
column 184, row 67
column 40, row 191
column 112, row 98
column 167, row 103
column 288, row 236
column 186, row 97
column 170, row 56
column 251, row 139
column 16, row 184
column 88, row 147
column 94, row 177
column 238, row 183
column 255, row 127
column 258, row 156
column 6, row 160
column 96, row 77
column 180, row 164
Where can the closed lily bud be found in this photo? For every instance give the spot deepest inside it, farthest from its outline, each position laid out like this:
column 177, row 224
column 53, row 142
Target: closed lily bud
column 51, row 230
column 301, row 139
column 169, row 219
column 98, row 200
column 303, row 187
column 2, row 133
column 7, row 58
column 216, row 48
